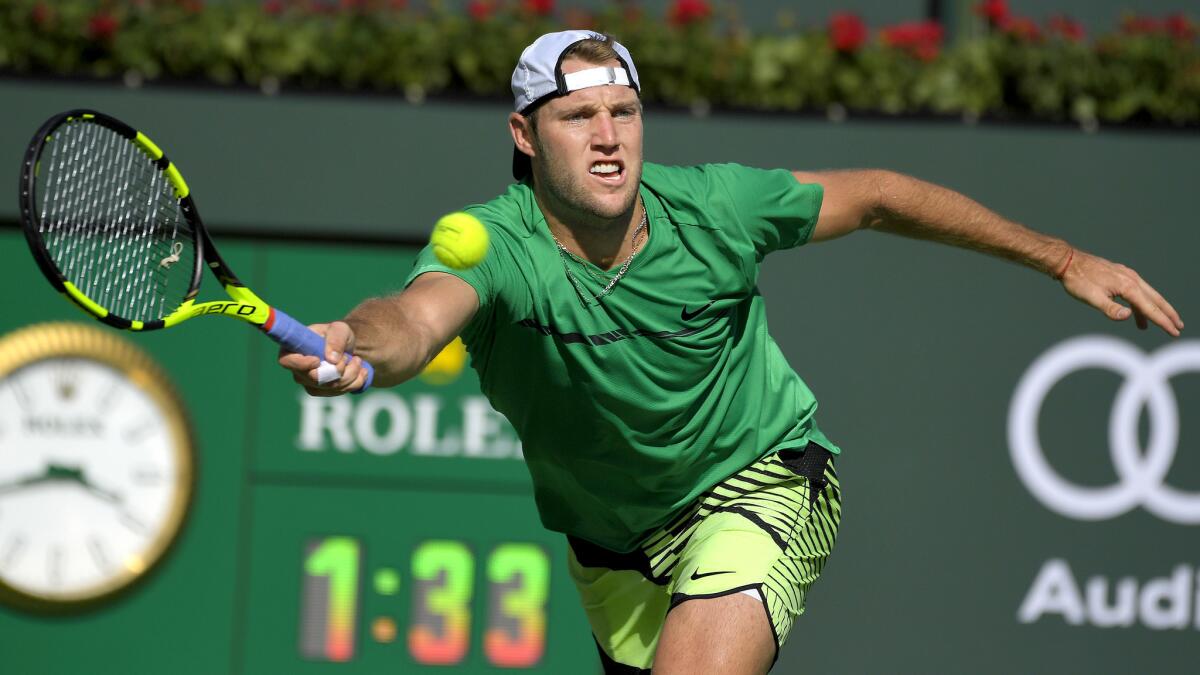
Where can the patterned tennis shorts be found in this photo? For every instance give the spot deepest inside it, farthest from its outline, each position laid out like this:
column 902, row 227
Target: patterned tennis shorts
column 766, row 530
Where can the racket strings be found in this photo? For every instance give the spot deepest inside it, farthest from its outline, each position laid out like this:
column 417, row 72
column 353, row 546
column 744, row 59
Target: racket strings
column 111, row 222
column 102, row 260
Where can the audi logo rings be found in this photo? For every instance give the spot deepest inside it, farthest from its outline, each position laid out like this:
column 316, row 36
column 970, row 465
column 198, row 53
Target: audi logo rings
column 1141, row 476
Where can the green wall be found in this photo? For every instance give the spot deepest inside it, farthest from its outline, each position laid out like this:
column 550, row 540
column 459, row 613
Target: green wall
column 914, row 351
column 382, row 168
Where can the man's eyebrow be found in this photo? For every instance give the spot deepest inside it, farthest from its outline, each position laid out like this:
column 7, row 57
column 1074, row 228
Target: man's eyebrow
column 579, row 108
column 591, row 108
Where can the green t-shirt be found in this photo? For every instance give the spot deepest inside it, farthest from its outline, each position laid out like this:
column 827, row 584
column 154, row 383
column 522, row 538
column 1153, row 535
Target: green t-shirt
column 631, row 406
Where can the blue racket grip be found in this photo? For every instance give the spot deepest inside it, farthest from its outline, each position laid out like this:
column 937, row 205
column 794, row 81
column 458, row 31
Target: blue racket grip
column 295, row 336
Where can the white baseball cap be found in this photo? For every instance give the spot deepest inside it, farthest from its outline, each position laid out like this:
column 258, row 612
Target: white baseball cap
column 538, row 76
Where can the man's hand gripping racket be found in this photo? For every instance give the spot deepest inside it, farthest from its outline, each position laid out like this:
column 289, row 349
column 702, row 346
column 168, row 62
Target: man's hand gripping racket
column 113, row 227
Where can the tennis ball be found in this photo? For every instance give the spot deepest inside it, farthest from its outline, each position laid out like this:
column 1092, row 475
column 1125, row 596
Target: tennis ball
column 459, row 240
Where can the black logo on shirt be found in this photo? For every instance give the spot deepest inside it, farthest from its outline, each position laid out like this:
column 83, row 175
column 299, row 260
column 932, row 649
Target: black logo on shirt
column 688, row 316
column 573, row 337
column 697, row 575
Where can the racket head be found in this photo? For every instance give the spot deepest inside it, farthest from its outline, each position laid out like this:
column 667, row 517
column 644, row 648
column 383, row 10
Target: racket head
column 110, row 220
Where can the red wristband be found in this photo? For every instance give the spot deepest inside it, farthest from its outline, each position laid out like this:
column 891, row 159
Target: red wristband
column 1067, row 264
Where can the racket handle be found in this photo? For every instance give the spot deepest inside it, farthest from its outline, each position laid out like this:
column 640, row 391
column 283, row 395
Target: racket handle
column 296, row 337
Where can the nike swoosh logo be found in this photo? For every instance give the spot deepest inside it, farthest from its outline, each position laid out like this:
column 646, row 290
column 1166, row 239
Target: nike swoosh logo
column 698, row 575
column 688, row 316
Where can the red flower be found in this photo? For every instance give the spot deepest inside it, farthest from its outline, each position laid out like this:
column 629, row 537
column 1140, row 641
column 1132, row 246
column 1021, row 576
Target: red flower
column 481, row 10
column 922, row 39
column 847, row 31
column 1140, row 25
column 539, row 7
column 1022, row 28
column 995, row 11
column 683, row 12
column 912, row 33
column 41, row 14
column 1180, row 27
column 102, row 26
column 273, row 7
column 1066, row 27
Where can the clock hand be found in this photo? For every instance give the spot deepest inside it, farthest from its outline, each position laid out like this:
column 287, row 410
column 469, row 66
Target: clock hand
column 64, row 473
column 75, row 474
column 96, row 490
column 25, row 482
column 59, row 473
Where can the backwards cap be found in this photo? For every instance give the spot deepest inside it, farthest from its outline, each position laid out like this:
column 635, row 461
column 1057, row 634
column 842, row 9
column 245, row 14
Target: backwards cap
column 538, row 77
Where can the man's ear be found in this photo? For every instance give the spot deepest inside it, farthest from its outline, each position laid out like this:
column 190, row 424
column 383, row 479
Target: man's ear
column 522, row 132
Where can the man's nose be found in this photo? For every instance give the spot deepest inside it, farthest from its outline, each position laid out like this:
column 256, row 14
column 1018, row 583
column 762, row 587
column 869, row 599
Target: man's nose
column 604, row 131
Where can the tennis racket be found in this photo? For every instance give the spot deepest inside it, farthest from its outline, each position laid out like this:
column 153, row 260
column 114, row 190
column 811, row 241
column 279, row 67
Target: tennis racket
column 113, row 227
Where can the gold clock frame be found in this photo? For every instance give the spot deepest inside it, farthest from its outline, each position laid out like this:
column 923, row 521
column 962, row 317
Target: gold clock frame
column 73, row 340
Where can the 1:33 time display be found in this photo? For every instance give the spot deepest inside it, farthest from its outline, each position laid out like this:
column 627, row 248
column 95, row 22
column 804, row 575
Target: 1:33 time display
column 443, row 577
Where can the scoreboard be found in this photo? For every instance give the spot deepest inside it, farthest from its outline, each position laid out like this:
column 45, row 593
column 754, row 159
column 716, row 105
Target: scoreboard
column 375, row 581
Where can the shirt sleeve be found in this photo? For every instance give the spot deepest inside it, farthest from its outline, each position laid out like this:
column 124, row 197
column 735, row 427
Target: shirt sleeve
column 775, row 210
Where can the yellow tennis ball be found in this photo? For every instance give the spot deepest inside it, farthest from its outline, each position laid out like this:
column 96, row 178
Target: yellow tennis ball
column 459, row 240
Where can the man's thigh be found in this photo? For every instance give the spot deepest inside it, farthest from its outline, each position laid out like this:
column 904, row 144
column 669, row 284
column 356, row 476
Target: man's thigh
column 725, row 634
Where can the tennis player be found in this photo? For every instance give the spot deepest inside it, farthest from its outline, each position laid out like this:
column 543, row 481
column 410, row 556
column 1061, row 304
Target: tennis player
column 616, row 323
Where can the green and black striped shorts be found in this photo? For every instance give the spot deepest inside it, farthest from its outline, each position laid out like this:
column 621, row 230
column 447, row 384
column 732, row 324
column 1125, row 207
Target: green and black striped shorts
column 767, row 531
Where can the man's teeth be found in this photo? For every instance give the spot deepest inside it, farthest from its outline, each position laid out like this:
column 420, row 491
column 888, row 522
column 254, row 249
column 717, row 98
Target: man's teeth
column 605, row 168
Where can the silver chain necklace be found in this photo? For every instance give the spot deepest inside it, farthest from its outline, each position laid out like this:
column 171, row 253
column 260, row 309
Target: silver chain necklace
column 565, row 254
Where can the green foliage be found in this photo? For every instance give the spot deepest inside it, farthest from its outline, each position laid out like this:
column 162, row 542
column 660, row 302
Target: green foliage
column 381, row 45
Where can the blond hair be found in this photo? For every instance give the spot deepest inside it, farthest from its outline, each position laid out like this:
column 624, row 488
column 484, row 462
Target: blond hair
column 593, row 50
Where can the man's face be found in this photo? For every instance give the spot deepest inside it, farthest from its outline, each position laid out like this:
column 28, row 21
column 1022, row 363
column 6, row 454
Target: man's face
column 588, row 148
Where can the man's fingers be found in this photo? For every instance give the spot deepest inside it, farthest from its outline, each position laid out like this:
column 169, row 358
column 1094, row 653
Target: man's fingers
column 1103, row 301
column 350, row 374
column 1140, row 319
column 1100, row 282
column 1145, row 310
column 1148, row 304
column 305, row 379
column 1116, row 311
column 360, row 376
column 1113, row 309
column 1159, row 317
column 1162, row 304
column 351, row 378
column 1138, row 305
column 339, row 339
column 360, row 380
column 300, row 363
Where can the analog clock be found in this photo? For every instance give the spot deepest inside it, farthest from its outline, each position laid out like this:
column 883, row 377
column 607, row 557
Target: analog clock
column 96, row 466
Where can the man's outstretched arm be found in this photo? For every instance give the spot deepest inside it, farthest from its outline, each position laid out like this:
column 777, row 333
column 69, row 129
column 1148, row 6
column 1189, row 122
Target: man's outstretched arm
column 891, row 202
column 398, row 335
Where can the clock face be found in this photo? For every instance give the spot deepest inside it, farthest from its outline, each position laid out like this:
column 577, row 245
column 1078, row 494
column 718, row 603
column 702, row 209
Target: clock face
column 95, row 473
